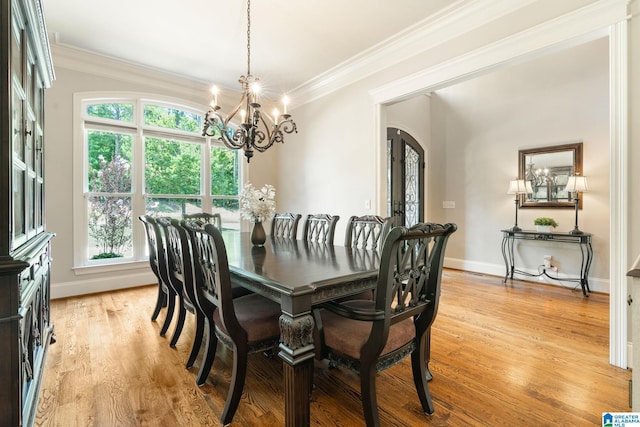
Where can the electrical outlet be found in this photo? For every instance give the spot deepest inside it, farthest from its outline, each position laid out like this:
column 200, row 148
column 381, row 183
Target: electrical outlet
column 546, row 260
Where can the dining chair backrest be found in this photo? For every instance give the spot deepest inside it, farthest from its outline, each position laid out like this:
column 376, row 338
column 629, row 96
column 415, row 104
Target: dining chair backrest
column 152, row 248
column 285, row 225
column 320, row 228
column 177, row 251
column 367, row 232
column 161, row 248
column 410, row 273
column 205, row 217
column 152, row 245
column 211, row 272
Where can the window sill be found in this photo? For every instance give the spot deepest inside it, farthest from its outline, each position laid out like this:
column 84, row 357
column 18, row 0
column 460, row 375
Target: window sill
column 109, row 268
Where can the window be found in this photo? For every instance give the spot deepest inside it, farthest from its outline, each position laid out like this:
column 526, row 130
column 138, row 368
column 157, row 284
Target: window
column 140, row 155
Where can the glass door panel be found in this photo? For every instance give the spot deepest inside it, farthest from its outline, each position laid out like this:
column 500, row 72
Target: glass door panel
column 405, row 178
column 19, row 229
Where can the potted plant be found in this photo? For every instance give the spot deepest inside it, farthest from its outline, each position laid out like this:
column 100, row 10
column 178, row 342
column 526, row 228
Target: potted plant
column 544, row 224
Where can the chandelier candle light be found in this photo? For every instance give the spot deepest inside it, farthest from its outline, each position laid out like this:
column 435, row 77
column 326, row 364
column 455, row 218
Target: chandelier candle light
column 258, row 130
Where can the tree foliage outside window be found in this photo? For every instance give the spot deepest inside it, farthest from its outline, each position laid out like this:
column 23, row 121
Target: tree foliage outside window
column 115, row 111
column 172, row 118
column 172, row 167
column 225, row 177
column 110, row 216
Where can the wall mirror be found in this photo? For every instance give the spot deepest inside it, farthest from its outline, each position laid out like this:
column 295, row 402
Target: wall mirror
column 547, row 169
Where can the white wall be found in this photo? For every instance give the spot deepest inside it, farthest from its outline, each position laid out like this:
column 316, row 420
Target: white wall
column 476, row 130
column 482, row 124
column 326, row 167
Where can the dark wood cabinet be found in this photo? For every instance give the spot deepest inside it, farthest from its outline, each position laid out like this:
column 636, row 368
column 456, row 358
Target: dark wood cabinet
column 25, row 327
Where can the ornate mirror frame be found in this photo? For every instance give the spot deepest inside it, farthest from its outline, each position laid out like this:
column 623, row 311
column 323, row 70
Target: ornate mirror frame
column 547, row 169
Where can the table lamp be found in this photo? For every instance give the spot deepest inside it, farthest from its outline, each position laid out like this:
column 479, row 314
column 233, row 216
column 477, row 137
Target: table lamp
column 517, row 187
column 576, row 184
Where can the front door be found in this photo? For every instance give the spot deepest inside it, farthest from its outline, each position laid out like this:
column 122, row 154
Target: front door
column 405, row 178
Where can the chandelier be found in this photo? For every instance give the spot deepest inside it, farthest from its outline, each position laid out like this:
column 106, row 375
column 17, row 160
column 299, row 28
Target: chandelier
column 258, row 131
column 540, row 177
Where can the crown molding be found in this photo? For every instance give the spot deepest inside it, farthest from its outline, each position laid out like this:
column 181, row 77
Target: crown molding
column 458, row 19
column 101, row 65
column 579, row 26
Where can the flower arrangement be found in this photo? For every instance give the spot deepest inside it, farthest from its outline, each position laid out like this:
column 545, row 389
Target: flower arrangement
column 257, row 205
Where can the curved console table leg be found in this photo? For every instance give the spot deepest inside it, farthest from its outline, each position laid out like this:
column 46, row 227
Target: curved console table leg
column 507, row 255
column 587, row 264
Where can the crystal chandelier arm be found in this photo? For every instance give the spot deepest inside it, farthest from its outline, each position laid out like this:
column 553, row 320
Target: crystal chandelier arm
column 233, row 112
column 263, row 134
column 273, row 134
column 287, row 125
column 232, row 138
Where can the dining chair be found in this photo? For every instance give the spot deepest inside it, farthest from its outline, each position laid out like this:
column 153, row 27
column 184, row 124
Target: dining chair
column 320, row 228
column 285, row 225
column 173, row 274
column 163, row 299
column 369, row 336
column 367, row 232
column 166, row 265
column 205, row 217
column 248, row 324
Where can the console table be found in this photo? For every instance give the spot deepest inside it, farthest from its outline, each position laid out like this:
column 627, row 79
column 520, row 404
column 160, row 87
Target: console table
column 583, row 240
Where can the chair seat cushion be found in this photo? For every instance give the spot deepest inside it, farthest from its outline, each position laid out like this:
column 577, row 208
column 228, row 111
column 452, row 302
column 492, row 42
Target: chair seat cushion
column 257, row 315
column 347, row 336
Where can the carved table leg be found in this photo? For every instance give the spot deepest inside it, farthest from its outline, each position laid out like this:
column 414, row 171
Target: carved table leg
column 297, row 351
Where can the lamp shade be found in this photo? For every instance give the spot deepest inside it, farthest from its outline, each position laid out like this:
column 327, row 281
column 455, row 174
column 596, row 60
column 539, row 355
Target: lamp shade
column 577, row 184
column 519, row 186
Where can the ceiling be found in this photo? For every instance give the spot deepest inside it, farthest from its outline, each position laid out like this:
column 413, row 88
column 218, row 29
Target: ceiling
column 292, row 41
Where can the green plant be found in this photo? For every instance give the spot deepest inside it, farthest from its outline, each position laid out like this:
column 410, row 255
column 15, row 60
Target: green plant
column 545, row 221
column 106, row 255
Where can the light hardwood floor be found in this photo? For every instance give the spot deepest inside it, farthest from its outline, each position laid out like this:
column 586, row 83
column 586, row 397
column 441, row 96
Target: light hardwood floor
column 525, row 354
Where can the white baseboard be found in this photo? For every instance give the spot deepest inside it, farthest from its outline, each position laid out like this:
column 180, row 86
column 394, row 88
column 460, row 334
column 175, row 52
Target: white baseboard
column 595, row 284
column 101, row 284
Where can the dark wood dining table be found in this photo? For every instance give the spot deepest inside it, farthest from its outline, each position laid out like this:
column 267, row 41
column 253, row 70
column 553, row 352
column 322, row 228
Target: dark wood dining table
column 298, row 275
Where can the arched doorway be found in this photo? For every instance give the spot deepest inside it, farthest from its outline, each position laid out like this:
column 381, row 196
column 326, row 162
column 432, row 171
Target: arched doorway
column 405, row 178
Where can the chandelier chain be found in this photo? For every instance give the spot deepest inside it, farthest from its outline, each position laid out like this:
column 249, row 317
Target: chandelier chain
column 248, row 38
column 257, row 131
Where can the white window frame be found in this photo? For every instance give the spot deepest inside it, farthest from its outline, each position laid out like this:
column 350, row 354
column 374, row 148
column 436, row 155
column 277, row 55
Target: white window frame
column 82, row 122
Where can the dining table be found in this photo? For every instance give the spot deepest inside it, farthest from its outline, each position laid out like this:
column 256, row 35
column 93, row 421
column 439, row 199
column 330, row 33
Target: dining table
column 298, row 275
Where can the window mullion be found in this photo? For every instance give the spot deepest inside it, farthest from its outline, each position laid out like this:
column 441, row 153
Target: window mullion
column 138, row 200
column 207, row 204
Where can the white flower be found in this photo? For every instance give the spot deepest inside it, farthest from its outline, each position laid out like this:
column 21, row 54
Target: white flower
column 257, row 205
